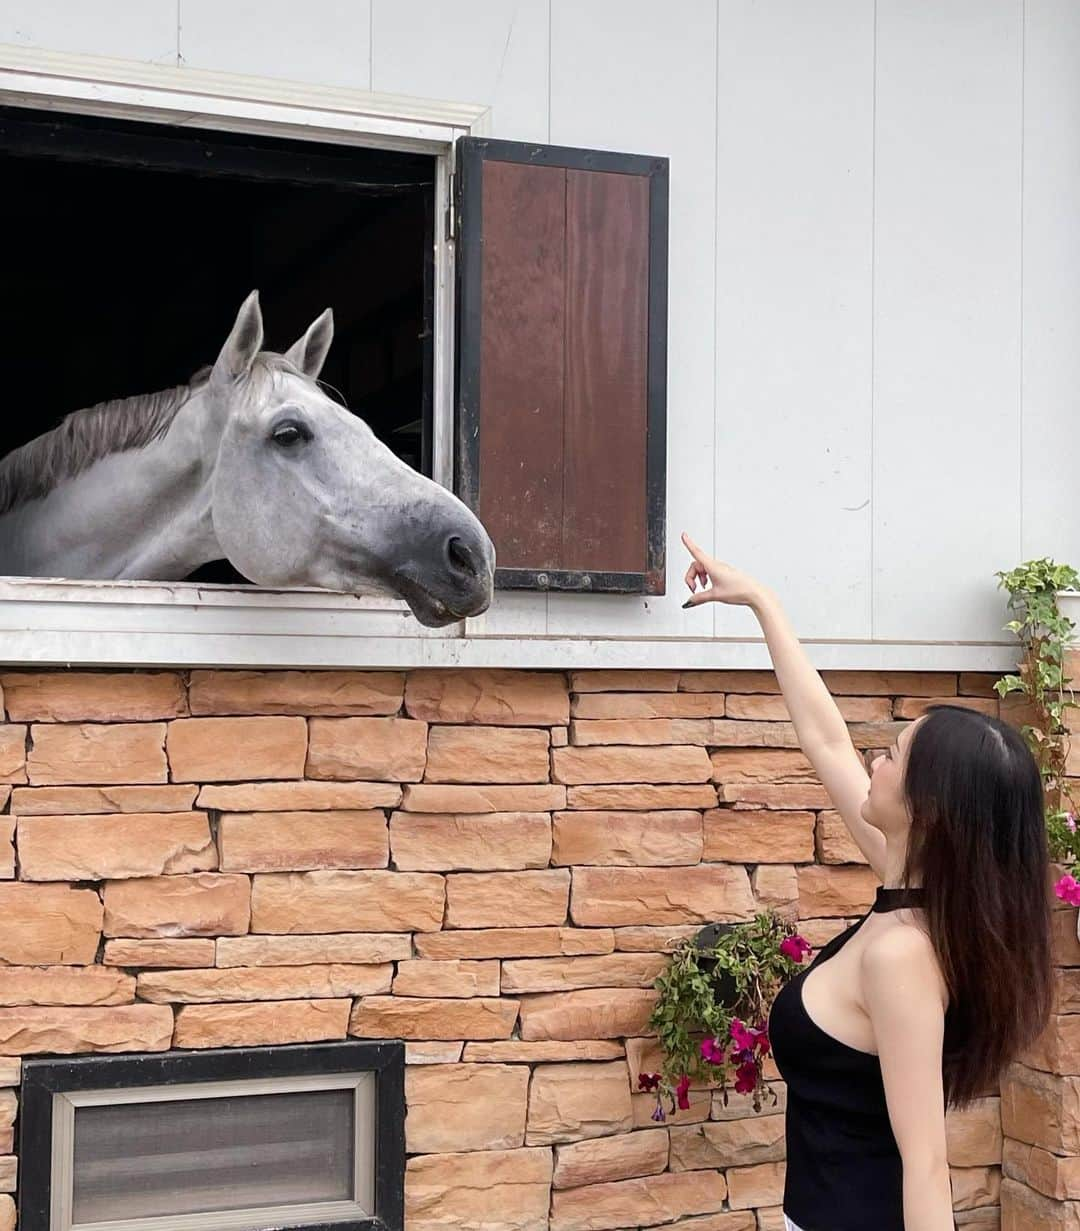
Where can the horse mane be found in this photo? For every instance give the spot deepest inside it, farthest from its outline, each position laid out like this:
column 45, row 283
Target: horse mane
column 84, row 437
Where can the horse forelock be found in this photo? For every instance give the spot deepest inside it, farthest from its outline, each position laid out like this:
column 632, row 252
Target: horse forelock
column 84, row 437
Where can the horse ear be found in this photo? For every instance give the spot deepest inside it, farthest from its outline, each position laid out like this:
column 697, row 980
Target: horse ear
column 309, row 352
column 243, row 343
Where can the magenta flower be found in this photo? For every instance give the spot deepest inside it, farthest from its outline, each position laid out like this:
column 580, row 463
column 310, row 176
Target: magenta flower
column 648, row 1081
column 1068, row 889
column 795, row 948
column 761, row 1039
column 1070, row 820
column 741, row 1037
column 711, row 1051
column 746, row 1077
column 682, row 1095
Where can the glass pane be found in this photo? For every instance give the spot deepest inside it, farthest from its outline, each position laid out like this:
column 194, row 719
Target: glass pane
column 188, row 1156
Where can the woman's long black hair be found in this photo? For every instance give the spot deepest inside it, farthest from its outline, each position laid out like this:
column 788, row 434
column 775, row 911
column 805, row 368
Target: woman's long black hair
column 978, row 847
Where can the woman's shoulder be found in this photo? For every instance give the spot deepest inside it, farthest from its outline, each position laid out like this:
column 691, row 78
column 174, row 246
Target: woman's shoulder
column 901, row 953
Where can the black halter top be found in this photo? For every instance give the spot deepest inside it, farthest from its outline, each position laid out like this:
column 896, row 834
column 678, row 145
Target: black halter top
column 844, row 1171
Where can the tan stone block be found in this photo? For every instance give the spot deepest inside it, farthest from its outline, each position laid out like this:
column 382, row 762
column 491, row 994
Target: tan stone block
column 641, row 797
column 90, row 800
column 65, row 985
column 569, row 1102
column 465, row 1107
column 974, row 1134
column 1058, row 1049
column 296, row 692
column 350, row 948
column 735, row 766
column 12, row 753
column 239, row 983
column 10, row 1070
column 607, row 706
column 201, row 904
column 342, row 901
column 652, row 839
column 776, row 887
column 170, row 953
column 109, row 847
column 639, row 1202
column 559, row 974
column 261, row 1025
column 445, row 841
column 515, row 942
column 833, row 841
column 7, row 1214
column 560, row 737
column 393, row 749
column 727, row 1143
column 483, row 1190
column 489, row 797
column 1066, row 944
column 866, row 735
column 653, row 940
column 774, row 708
column 915, row 707
column 759, row 837
column 433, row 1053
column 818, row 932
column 741, row 1106
column 50, row 1030
column 577, row 766
column 233, row 749
column 49, row 925
column 646, row 732
column 486, row 899
column 836, row 891
column 704, row 894
column 515, row 1051
column 7, row 848
column 1067, row 991
column 621, row 680
column 302, row 841
column 782, row 796
column 487, row 754
column 744, row 733
column 890, row 683
column 406, row 1017
column 977, row 684
column 497, row 697
column 770, row 1219
column 728, row 681
column 613, row 1158
column 300, row 796
column 454, row 978
column 9, row 1102
column 1049, row 1174
column 1041, row 1109
column 1023, row 1209
column 644, row 1106
column 90, row 696
column 975, row 1186
column 601, row 1013
column 750, row 1187
column 77, row 753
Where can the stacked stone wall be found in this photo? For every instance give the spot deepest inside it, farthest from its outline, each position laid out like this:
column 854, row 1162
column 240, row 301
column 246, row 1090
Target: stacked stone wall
column 488, row 864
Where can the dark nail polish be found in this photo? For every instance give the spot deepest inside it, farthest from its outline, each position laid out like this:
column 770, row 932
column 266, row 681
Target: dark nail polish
column 689, row 603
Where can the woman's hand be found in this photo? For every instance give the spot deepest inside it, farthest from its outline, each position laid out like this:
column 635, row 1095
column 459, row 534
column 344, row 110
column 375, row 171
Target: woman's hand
column 720, row 583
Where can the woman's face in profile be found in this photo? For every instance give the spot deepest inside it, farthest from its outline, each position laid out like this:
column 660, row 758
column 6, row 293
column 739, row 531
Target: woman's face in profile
column 885, row 806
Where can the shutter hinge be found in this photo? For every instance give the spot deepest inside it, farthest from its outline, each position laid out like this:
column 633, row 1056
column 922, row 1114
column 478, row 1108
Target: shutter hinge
column 451, row 229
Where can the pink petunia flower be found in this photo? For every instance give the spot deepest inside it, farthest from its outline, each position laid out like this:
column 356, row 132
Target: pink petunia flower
column 1068, row 889
column 795, row 948
column 711, row 1051
column 1070, row 820
column 746, row 1078
column 761, row 1040
column 682, row 1095
column 741, row 1037
column 648, row 1081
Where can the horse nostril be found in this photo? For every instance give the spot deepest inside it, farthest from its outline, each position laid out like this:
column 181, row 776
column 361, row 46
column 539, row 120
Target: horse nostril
column 461, row 558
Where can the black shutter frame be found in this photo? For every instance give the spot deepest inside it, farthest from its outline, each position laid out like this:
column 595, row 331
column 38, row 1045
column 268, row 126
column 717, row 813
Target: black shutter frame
column 471, row 153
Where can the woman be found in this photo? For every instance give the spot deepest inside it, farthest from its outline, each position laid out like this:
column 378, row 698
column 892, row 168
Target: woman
column 945, row 980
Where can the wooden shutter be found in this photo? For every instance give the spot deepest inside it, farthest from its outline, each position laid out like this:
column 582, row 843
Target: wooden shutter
column 562, row 362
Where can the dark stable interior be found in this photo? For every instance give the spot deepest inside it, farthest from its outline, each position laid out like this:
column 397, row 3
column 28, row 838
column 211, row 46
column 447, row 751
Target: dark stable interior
column 131, row 247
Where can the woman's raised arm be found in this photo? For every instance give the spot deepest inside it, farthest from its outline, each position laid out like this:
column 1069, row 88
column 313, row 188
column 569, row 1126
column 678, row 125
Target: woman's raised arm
column 819, row 725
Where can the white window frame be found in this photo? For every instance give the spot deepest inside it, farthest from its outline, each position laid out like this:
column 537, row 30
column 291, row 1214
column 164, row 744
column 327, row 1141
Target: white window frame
column 57, row 621
column 362, row 1084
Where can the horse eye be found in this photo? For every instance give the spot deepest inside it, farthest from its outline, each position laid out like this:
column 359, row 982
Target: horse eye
column 288, row 435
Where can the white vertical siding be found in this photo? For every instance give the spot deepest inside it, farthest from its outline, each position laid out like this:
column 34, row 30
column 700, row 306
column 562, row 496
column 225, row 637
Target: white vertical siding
column 874, row 265
column 1051, row 302
column 946, row 316
column 793, row 287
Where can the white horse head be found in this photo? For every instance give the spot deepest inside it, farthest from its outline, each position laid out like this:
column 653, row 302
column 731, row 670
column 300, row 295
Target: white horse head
column 255, row 464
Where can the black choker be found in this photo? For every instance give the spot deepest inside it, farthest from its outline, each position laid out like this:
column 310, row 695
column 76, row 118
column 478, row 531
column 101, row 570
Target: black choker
column 898, row 899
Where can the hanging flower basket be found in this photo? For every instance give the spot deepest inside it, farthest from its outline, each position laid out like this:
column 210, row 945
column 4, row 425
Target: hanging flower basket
column 712, row 1015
